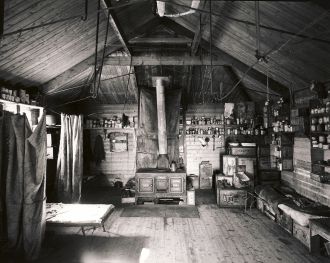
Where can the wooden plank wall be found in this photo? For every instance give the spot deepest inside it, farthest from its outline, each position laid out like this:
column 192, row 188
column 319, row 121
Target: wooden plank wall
column 117, row 165
column 194, row 152
column 304, row 185
column 302, row 153
column 300, row 179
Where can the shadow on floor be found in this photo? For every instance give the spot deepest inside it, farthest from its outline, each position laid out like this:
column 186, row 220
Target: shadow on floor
column 90, row 249
column 205, row 197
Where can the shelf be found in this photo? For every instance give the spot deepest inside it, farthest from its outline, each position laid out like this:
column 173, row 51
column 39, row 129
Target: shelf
column 285, row 133
column 204, row 126
column 326, row 114
column 21, row 104
column 320, row 132
column 129, row 130
column 319, row 149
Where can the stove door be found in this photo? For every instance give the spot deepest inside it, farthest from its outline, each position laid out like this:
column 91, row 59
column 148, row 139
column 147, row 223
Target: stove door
column 161, row 184
column 176, row 185
column 146, row 185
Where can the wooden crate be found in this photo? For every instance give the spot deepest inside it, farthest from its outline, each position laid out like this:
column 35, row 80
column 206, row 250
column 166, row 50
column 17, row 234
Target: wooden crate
column 285, row 221
column 302, row 233
column 264, row 163
column 243, row 151
column 231, row 197
column 264, row 208
column 264, row 151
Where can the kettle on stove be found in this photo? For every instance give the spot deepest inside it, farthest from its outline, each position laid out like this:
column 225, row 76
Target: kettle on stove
column 173, row 166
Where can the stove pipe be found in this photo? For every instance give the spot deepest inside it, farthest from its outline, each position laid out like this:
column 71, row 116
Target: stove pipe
column 162, row 161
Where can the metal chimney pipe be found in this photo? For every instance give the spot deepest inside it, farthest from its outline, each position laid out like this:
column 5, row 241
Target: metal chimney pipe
column 160, row 82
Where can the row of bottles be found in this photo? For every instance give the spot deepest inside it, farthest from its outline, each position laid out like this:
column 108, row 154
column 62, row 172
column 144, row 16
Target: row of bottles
column 204, row 120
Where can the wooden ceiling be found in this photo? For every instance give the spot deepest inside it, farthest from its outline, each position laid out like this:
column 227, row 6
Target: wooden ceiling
column 59, row 57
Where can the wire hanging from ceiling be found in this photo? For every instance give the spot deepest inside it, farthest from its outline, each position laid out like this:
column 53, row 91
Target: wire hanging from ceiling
column 211, row 36
column 128, row 82
column 96, row 45
column 275, row 50
column 102, row 59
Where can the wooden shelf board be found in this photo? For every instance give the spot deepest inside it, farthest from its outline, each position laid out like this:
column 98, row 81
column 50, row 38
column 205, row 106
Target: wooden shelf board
column 21, row 104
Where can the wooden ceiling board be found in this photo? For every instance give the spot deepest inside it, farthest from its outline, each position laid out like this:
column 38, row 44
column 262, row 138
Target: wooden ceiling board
column 251, row 84
column 114, row 89
column 222, row 83
column 237, row 39
column 39, row 55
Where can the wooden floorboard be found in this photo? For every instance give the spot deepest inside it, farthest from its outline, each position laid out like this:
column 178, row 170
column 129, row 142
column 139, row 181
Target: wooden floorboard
column 219, row 235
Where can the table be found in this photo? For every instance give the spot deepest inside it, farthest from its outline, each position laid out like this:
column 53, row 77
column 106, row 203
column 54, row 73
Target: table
column 80, row 215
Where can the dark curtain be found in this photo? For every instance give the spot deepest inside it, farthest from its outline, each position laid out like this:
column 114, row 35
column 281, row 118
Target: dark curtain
column 23, row 170
column 147, row 134
column 70, row 159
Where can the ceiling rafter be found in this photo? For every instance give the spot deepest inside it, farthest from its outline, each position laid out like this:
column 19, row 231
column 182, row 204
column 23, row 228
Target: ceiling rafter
column 198, row 32
column 121, row 36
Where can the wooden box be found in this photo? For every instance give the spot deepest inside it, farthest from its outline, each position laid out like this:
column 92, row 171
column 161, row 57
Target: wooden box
column 243, row 151
column 264, row 208
column 285, row 221
column 230, row 197
column 302, row 233
column 264, row 163
column 287, row 152
column 264, row 151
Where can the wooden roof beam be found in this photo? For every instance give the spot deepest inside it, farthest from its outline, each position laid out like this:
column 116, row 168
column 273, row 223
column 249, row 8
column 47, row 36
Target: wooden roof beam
column 120, row 34
column 198, row 35
column 159, row 60
column 160, row 40
column 115, row 26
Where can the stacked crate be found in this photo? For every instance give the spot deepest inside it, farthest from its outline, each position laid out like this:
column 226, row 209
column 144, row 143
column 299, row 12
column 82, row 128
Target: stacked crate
column 268, row 174
column 234, row 193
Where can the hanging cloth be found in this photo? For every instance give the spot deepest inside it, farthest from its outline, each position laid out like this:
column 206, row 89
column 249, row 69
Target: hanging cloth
column 70, row 159
column 34, row 206
column 14, row 180
column 2, row 179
